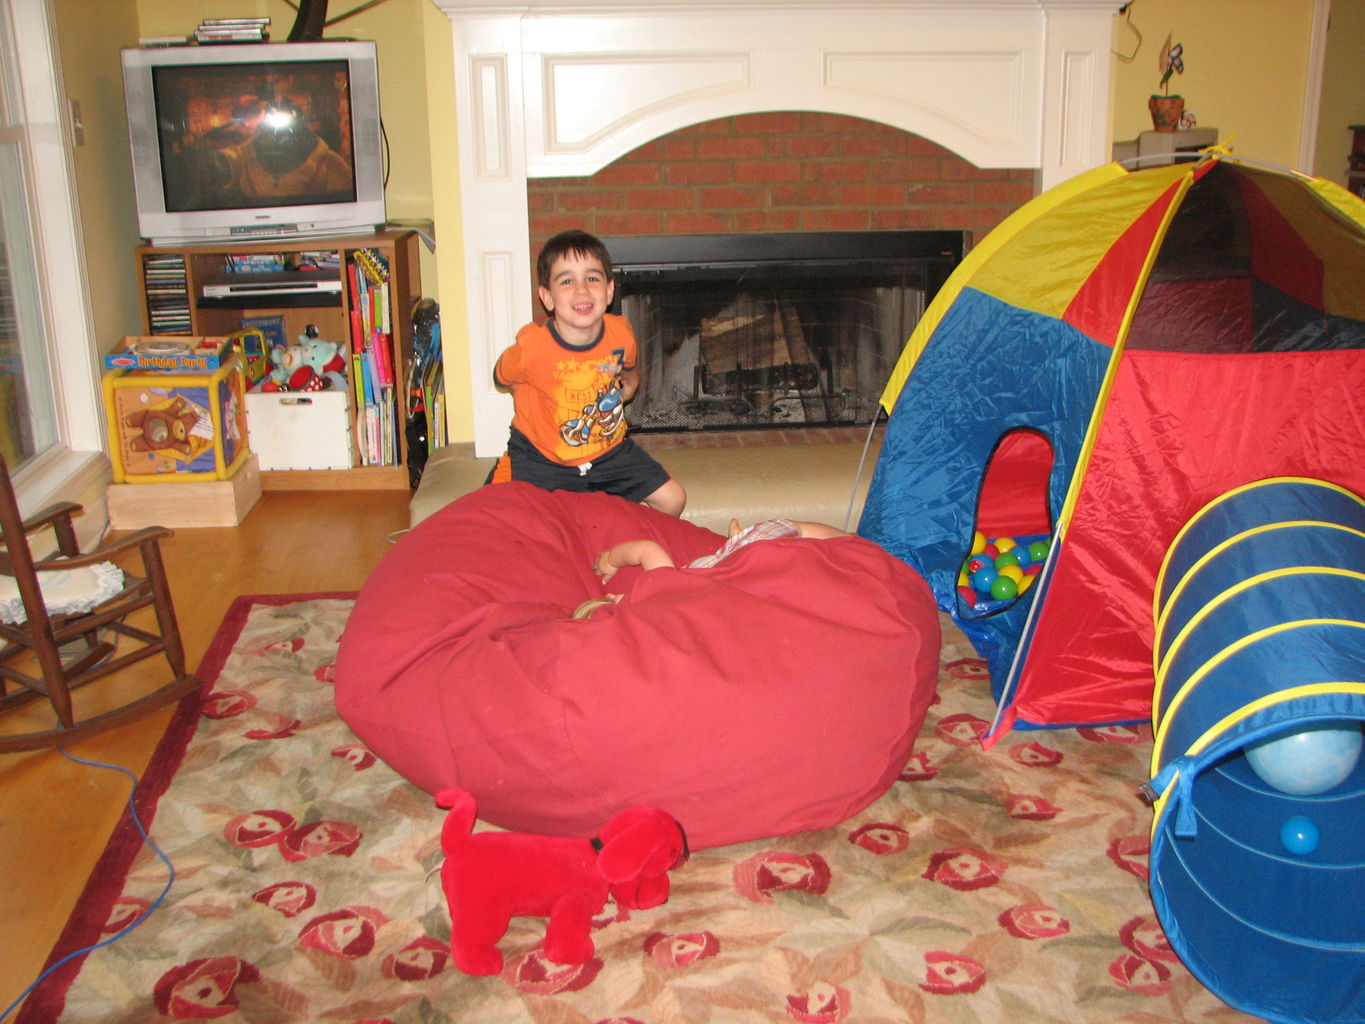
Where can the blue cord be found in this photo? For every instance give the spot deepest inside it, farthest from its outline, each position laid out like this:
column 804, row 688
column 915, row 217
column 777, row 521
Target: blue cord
column 132, row 812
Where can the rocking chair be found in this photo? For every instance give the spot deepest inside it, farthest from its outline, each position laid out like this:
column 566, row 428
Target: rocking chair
column 51, row 651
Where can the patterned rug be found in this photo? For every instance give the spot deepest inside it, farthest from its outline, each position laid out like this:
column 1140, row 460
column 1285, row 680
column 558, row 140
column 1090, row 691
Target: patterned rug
column 985, row 887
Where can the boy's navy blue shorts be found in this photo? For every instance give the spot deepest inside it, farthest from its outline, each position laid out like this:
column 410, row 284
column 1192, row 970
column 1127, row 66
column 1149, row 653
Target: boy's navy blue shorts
column 627, row 470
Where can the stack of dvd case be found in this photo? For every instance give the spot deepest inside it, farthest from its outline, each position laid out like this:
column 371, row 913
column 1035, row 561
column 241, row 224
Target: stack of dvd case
column 233, row 30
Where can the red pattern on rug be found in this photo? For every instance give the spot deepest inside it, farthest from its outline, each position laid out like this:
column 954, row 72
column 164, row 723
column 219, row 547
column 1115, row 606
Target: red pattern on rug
column 984, row 886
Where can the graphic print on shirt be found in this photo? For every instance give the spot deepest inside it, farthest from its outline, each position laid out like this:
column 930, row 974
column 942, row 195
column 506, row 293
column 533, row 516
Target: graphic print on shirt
column 602, row 409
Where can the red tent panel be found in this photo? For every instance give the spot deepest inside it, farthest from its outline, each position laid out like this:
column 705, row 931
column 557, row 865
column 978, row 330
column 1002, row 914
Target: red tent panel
column 1155, row 464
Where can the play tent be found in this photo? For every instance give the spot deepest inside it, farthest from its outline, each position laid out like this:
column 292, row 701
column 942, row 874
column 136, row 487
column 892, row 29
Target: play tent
column 1124, row 348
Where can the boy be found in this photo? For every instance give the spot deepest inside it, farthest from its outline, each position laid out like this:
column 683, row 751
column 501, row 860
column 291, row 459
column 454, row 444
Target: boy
column 570, row 380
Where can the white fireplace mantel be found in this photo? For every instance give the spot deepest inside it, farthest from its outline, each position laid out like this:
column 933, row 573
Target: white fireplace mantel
column 561, row 88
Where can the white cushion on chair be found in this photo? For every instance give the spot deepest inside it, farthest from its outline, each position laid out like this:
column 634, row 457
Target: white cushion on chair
column 65, row 591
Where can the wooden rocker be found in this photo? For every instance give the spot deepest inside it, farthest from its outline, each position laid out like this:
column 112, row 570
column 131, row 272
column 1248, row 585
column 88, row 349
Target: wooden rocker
column 50, row 652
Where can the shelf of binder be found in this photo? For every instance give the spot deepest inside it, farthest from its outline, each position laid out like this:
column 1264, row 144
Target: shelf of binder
column 377, row 422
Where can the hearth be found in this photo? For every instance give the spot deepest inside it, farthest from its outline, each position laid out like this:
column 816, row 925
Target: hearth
column 740, row 331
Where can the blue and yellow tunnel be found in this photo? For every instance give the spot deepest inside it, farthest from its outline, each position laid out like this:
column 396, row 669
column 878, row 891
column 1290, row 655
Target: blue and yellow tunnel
column 1257, row 860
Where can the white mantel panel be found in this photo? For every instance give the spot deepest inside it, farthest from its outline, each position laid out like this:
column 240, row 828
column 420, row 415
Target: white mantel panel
column 562, row 88
column 971, row 81
column 941, row 94
column 591, row 104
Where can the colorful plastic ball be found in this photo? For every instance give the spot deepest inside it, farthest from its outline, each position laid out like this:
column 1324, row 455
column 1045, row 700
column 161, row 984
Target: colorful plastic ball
column 1006, row 558
column 980, row 561
column 1020, row 552
column 983, row 579
column 1013, row 572
column 978, row 542
column 991, row 549
column 1037, row 551
column 1033, row 568
column 1004, row 543
column 1299, row 836
column 1003, row 589
column 1307, row 761
column 1026, row 582
column 968, row 596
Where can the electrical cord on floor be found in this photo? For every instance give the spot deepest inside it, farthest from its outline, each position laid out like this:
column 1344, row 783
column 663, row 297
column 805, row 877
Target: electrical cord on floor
column 132, row 811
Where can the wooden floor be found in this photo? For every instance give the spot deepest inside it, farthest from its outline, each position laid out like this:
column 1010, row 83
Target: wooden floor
column 56, row 815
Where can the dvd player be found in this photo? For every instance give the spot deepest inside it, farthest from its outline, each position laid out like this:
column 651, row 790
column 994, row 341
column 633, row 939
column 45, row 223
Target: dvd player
column 283, row 282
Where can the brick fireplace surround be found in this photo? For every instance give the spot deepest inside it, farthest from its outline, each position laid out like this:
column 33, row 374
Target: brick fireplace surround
column 780, row 171
column 636, row 117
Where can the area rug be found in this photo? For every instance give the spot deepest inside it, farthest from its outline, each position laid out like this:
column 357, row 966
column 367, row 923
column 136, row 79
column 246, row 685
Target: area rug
column 985, row 886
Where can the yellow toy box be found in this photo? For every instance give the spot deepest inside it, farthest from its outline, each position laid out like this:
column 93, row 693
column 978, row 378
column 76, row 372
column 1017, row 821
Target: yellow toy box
column 174, row 427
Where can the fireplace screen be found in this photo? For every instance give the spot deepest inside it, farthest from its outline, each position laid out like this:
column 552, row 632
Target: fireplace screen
column 755, row 331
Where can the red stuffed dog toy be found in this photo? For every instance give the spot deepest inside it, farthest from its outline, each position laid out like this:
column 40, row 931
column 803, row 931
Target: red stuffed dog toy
column 491, row 877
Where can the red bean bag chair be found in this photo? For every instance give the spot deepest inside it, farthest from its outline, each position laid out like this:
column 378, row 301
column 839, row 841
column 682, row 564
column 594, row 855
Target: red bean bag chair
column 778, row 691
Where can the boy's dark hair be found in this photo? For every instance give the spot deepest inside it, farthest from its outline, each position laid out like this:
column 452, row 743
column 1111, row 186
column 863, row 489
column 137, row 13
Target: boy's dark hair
column 575, row 242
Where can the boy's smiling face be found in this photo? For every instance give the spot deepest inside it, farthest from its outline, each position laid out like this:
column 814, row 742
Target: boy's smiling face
column 578, row 297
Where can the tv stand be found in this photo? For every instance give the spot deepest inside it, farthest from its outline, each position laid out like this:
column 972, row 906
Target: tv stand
column 172, row 279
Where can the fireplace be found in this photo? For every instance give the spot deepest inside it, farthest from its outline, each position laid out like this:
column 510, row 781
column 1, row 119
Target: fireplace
column 562, row 88
column 754, row 331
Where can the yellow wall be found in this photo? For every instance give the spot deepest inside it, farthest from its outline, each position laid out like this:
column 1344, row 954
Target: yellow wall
column 397, row 28
column 92, row 78
column 1246, row 65
column 445, row 180
column 1245, row 69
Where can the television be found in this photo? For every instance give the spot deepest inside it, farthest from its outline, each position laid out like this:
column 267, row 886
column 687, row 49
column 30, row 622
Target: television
column 249, row 142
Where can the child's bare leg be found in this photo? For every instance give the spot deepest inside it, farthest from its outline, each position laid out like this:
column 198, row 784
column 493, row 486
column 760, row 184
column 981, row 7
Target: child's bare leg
column 735, row 528
column 670, row 498
column 819, row 531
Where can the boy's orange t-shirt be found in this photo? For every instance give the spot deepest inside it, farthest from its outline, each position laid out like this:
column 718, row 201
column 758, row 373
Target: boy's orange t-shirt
column 567, row 400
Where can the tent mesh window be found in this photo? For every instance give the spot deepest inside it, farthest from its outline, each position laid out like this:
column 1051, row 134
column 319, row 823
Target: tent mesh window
column 748, row 331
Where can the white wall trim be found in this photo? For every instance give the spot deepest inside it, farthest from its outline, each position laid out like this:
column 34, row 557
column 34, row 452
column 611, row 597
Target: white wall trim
column 1312, row 88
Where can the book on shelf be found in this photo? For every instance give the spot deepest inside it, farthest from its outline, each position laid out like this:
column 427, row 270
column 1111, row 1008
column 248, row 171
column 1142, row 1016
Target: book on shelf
column 378, row 415
column 271, row 325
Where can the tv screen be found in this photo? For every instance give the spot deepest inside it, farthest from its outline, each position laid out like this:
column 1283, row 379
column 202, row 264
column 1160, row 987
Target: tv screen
column 255, row 141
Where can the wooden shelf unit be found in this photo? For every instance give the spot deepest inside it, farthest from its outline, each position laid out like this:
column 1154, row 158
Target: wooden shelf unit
column 171, row 279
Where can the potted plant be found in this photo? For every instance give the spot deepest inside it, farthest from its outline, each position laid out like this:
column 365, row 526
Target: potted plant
column 1165, row 108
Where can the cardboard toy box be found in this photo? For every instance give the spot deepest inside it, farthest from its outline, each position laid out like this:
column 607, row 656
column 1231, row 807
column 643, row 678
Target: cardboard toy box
column 170, row 354
column 173, row 427
column 300, row 429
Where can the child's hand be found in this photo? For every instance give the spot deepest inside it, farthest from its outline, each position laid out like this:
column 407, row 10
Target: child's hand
column 603, row 567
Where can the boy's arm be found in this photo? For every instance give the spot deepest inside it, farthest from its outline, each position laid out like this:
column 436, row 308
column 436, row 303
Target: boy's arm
column 818, row 531
column 499, row 380
column 630, row 383
column 647, row 554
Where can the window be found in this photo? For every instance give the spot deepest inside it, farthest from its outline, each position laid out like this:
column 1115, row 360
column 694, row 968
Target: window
column 49, row 397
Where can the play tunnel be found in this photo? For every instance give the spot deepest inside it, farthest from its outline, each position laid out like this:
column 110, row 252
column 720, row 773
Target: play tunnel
column 1257, row 865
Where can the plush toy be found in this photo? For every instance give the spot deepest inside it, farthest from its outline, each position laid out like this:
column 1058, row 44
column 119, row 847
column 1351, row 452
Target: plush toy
column 310, row 364
column 491, row 877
